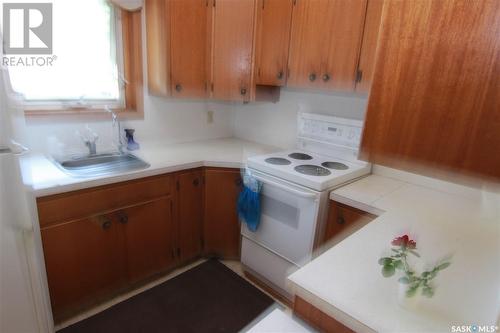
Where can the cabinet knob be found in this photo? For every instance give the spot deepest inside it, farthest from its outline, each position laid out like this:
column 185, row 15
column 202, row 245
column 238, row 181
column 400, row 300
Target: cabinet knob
column 280, row 75
column 178, row 87
column 122, row 217
column 243, row 91
column 238, row 182
column 340, row 220
column 312, row 77
column 196, row 182
column 326, row 77
column 105, row 222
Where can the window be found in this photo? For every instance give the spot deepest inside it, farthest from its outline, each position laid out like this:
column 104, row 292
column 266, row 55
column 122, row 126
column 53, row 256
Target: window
column 87, row 67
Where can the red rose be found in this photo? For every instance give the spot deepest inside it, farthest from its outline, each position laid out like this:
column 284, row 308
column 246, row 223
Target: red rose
column 404, row 241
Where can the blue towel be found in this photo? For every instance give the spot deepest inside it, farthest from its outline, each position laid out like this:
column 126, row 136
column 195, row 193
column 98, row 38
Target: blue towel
column 249, row 202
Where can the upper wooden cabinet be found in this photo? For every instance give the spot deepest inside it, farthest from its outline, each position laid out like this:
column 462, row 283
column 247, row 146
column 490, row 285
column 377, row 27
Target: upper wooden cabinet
column 325, row 43
column 274, row 18
column 366, row 64
column 189, row 46
column 232, row 47
column 435, row 98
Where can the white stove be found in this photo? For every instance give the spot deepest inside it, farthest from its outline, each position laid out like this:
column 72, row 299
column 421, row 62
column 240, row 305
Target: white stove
column 294, row 197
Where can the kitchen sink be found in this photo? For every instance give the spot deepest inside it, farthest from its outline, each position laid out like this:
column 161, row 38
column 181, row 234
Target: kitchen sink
column 102, row 164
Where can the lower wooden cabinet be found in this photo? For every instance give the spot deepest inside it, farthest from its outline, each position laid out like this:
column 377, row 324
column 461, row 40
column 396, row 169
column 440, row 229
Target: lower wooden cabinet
column 317, row 318
column 83, row 259
column 342, row 221
column 221, row 227
column 189, row 214
column 148, row 238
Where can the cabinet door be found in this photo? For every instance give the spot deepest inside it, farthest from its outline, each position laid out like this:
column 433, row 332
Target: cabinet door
column 366, row 64
column 274, row 18
column 188, row 44
column 158, row 50
column 221, row 227
column 189, row 214
column 148, row 237
column 325, row 43
column 232, row 49
column 83, row 259
column 343, row 221
column 434, row 102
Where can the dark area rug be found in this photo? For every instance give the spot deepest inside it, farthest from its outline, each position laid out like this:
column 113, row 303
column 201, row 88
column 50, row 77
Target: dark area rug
column 208, row 298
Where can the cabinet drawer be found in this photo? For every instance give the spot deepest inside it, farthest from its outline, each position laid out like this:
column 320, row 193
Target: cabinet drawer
column 78, row 204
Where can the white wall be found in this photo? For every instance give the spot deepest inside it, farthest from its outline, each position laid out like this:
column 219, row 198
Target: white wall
column 276, row 124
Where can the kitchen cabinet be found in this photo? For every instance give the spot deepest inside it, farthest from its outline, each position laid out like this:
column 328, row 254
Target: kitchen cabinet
column 317, row 318
column 83, row 260
column 189, row 48
column 436, row 112
column 221, row 227
column 147, row 231
column 342, row 221
column 274, row 18
column 232, row 47
column 190, row 214
column 158, row 50
column 325, row 44
column 366, row 64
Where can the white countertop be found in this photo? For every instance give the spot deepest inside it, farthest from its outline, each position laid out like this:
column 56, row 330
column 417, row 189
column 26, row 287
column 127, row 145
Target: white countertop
column 42, row 177
column 346, row 283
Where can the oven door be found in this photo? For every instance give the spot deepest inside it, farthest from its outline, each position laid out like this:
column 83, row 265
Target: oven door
column 289, row 215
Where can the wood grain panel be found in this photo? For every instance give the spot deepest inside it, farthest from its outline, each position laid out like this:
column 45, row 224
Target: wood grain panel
column 233, row 49
column 190, row 214
column 433, row 107
column 325, row 40
column 148, row 237
column 83, row 261
column 221, row 227
column 158, row 46
column 132, row 60
column 343, row 221
column 316, row 318
column 366, row 64
column 67, row 206
column 188, row 58
column 274, row 18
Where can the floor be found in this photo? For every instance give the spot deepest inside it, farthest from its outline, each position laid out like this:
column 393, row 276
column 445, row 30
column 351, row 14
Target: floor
column 231, row 264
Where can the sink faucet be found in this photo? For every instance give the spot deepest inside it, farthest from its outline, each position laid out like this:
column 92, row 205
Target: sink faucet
column 89, row 140
column 116, row 123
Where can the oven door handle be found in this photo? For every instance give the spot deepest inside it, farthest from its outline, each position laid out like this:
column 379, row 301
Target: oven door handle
column 288, row 189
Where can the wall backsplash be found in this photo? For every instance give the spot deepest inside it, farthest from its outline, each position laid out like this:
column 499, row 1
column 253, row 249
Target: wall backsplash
column 276, row 124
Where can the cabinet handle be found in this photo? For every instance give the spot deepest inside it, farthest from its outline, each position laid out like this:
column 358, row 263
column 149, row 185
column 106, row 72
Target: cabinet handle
column 312, row 77
column 105, row 222
column 326, row 77
column 243, row 91
column 178, row 87
column 280, row 75
column 122, row 217
column 196, row 182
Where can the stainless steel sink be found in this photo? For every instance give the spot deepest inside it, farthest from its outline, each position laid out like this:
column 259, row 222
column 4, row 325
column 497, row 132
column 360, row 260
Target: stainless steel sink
column 102, row 164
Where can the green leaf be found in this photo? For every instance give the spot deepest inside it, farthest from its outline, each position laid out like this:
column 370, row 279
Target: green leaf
column 404, row 280
column 427, row 291
column 412, row 291
column 385, row 261
column 399, row 264
column 415, row 253
column 388, row 270
column 443, row 266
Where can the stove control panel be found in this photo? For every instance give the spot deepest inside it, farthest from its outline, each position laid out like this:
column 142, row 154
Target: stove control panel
column 329, row 129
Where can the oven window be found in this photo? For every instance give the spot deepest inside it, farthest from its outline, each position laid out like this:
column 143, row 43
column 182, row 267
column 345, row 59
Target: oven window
column 280, row 211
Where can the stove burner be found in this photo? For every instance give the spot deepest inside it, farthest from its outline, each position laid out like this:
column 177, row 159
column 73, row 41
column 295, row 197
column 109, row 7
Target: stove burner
column 278, row 161
column 335, row 165
column 300, row 156
column 312, row 170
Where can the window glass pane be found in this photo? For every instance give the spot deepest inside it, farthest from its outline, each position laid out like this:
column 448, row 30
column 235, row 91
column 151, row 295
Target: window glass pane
column 86, row 65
